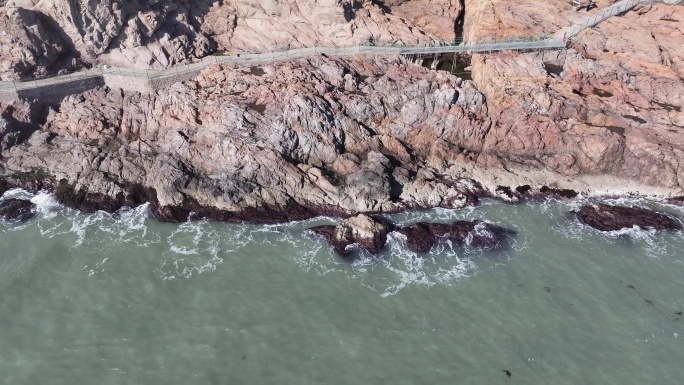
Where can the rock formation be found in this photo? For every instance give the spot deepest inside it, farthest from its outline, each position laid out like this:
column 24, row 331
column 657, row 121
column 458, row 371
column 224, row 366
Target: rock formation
column 606, row 113
column 17, row 210
column 339, row 139
column 29, row 47
column 366, row 232
column 611, row 218
column 157, row 34
column 341, row 136
column 421, row 236
column 370, row 234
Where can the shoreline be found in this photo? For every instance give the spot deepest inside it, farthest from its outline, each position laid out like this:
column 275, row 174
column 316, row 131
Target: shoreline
column 191, row 210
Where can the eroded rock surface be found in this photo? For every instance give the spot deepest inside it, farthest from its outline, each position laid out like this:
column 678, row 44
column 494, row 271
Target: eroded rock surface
column 340, row 136
column 362, row 230
column 605, row 113
column 157, row 34
column 29, row 47
column 611, row 218
column 339, row 139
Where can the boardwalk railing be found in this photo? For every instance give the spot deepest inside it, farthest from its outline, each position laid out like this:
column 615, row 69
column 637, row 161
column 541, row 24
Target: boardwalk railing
column 526, row 43
column 534, row 43
column 615, row 9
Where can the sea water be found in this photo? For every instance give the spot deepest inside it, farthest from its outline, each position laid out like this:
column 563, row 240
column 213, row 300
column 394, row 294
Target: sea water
column 124, row 299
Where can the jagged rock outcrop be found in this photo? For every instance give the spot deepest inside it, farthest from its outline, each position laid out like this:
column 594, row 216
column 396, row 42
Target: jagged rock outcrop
column 29, row 47
column 331, row 141
column 370, row 234
column 366, row 134
column 611, row 218
column 605, row 113
column 496, row 20
column 141, row 33
column 362, row 230
column 157, row 34
column 263, row 25
column 17, row 122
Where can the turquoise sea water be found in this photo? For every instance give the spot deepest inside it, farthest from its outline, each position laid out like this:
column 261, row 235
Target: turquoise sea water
column 97, row 299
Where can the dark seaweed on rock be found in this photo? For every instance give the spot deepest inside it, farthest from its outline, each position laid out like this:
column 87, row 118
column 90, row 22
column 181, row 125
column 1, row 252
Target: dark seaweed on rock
column 610, row 218
column 17, row 210
column 370, row 233
column 421, row 236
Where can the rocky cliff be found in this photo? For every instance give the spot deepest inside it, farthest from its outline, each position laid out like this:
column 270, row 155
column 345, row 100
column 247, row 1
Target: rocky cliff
column 157, row 34
column 326, row 135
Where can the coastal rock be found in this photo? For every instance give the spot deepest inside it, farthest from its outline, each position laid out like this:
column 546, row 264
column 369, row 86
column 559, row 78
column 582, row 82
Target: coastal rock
column 611, row 218
column 28, row 45
column 369, row 134
column 138, row 33
column 310, row 146
column 504, row 19
column 365, row 231
column 421, row 236
column 603, row 114
column 157, row 34
column 17, row 210
column 266, row 25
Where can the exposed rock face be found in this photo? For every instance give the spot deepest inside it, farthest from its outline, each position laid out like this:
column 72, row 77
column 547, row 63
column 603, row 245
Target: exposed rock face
column 331, row 141
column 156, row 34
column 366, row 232
column 610, row 218
column 244, row 25
column 421, row 236
column 141, row 33
column 362, row 135
column 500, row 19
column 604, row 113
column 17, row 123
column 17, row 210
column 28, row 45
column 371, row 234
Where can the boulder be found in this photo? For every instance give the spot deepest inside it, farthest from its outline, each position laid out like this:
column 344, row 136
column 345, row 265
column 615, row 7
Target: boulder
column 365, row 231
column 17, row 210
column 610, row 218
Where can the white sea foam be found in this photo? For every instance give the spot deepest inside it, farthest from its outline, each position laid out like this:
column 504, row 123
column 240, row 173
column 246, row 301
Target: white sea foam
column 16, row 193
column 202, row 245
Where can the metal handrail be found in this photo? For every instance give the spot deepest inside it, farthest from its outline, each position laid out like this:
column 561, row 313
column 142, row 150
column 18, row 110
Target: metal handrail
column 369, row 47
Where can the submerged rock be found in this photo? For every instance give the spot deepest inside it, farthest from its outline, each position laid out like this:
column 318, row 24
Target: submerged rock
column 421, row 236
column 17, row 210
column 610, row 218
column 367, row 232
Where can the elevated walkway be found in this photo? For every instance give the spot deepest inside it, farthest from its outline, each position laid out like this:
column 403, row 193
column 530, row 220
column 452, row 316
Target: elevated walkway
column 150, row 80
